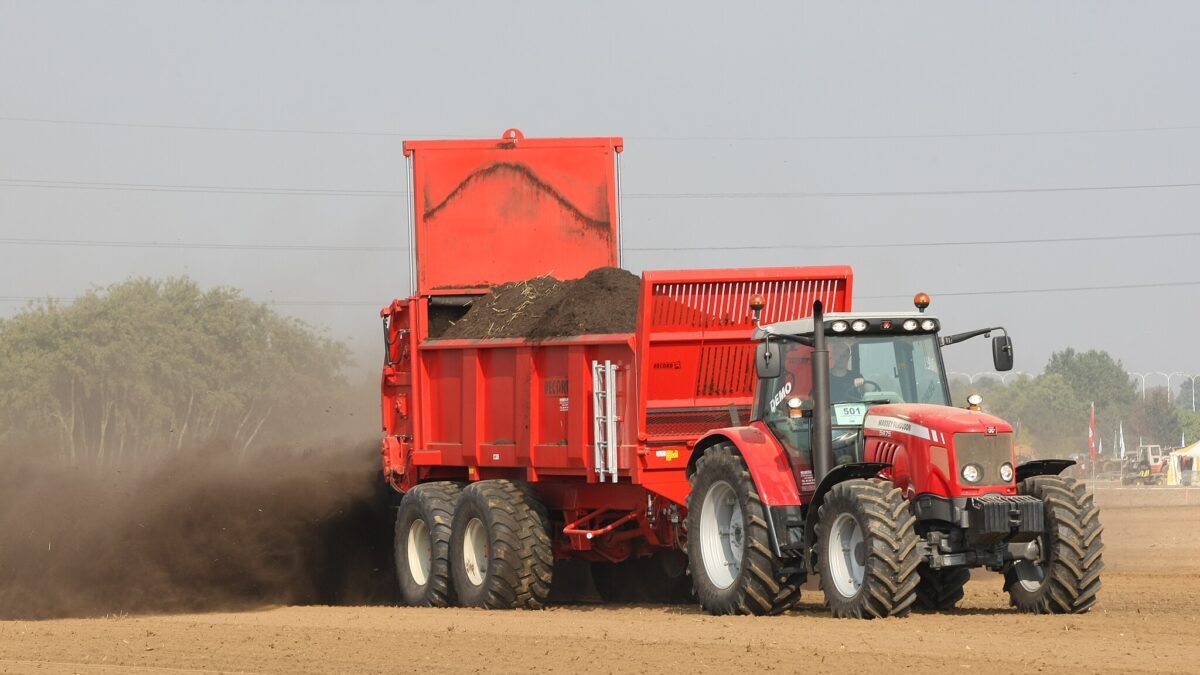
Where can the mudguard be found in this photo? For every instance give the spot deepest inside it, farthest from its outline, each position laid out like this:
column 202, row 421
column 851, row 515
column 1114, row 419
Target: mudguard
column 1043, row 467
column 765, row 458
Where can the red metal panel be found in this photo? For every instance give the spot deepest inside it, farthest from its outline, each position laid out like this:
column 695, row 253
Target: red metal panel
column 478, row 205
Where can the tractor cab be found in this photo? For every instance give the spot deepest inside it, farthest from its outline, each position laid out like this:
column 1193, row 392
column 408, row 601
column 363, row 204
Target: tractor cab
column 875, row 359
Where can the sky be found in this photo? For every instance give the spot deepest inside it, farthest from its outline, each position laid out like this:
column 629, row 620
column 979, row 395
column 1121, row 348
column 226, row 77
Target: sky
column 913, row 141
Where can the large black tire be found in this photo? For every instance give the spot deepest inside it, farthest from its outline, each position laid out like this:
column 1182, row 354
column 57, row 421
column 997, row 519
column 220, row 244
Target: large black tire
column 422, row 544
column 940, row 589
column 758, row 584
column 658, row 579
column 1068, row 579
column 500, row 548
column 887, row 557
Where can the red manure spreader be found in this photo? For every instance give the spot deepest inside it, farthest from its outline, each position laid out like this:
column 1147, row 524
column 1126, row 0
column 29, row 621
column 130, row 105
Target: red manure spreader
column 712, row 434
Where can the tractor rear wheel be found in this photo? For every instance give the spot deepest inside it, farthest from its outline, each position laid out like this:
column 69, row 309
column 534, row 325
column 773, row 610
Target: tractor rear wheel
column 733, row 568
column 867, row 550
column 500, row 550
column 940, row 589
column 422, row 544
column 1067, row 578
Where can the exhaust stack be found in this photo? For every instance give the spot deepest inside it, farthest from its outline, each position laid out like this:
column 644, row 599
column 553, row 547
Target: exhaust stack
column 822, row 426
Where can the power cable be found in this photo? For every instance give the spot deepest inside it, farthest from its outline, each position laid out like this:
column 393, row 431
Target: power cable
column 380, row 303
column 696, row 138
column 18, row 241
column 157, row 187
column 923, row 244
column 302, row 303
column 898, row 193
column 1072, row 289
column 196, row 245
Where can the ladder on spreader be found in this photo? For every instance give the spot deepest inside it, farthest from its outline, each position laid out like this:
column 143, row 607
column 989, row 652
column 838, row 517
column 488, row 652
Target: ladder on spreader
column 604, row 418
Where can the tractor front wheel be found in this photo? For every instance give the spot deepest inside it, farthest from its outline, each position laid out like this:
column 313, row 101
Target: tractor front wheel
column 733, row 568
column 867, row 550
column 1067, row 578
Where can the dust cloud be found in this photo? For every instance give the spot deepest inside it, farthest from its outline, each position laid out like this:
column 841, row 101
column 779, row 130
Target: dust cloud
column 201, row 530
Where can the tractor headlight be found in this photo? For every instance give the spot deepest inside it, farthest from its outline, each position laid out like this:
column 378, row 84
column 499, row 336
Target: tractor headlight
column 859, row 325
column 1006, row 472
column 839, row 326
column 972, row 473
column 910, row 324
column 928, row 324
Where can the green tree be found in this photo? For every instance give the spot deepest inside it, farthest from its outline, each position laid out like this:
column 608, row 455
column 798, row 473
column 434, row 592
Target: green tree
column 147, row 367
column 1189, row 423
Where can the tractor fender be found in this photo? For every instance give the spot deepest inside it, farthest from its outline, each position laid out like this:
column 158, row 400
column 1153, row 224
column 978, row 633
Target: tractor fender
column 1043, row 467
column 840, row 473
column 765, row 458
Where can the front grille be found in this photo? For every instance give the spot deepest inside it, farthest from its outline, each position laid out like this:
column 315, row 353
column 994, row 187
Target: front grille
column 988, row 452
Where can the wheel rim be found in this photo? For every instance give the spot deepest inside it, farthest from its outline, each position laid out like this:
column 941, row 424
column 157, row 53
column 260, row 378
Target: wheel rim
column 846, row 553
column 1031, row 574
column 722, row 534
column 419, row 552
column 475, row 551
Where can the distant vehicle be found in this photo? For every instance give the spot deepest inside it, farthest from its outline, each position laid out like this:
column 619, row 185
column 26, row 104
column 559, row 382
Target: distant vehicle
column 1147, row 466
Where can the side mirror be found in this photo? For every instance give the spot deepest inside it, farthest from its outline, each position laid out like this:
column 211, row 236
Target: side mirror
column 1002, row 353
column 767, row 361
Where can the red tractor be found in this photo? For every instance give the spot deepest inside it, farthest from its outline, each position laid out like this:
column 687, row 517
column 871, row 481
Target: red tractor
column 857, row 469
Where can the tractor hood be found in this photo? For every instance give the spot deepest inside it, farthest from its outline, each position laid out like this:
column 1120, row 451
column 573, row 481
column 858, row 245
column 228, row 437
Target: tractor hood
column 931, row 421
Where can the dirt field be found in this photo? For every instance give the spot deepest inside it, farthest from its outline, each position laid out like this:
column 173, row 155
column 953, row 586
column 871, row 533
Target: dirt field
column 1146, row 621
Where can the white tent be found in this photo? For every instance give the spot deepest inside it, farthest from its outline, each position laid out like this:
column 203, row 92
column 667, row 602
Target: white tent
column 1175, row 473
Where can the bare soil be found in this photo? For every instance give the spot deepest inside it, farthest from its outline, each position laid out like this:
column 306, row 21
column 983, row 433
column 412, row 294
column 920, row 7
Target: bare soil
column 1146, row 622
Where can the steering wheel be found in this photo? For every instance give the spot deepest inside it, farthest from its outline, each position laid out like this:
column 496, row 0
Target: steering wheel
column 873, row 384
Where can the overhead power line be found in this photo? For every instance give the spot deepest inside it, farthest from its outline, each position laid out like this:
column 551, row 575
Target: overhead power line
column 227, row 189
column 1023, row 291
column 197, row 127
column 18, row 241
column 159, row 187
column 682, row 138
column 952, row 294
column 922, row 244
column 898, row 193
column 288, row 303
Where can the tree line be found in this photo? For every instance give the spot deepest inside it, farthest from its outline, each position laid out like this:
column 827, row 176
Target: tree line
column 1050, row 411
column 147, row 367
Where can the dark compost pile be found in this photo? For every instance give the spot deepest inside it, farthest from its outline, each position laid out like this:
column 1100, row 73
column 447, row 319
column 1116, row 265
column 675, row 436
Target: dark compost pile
column 604, row 301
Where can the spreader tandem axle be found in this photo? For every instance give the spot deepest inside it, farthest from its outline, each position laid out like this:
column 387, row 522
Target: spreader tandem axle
column 732, row 440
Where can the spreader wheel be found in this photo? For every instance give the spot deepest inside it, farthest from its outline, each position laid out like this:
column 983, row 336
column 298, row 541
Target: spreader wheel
column 500, row 553
column 1067, row 578
column 422, row 544
column 733, row 568
column 940, row 589
column 867, row 550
